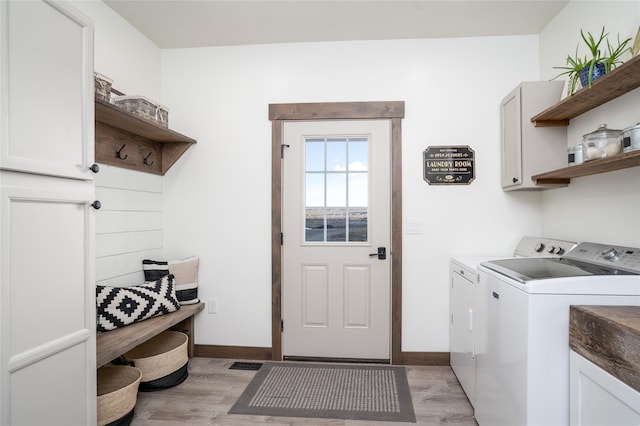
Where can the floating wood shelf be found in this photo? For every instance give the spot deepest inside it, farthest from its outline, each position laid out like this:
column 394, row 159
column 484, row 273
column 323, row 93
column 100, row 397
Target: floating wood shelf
column 111, row 344
column 621, row 80
column 564, row 176
column 137, row 139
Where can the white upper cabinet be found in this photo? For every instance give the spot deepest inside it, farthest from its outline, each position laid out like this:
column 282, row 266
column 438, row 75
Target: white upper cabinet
column 528, row 150
column 46, row 87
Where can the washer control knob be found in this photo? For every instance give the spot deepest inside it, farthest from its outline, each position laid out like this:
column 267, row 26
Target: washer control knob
column 551, row 249
column 610, row 254
column 539, row 247
column 559, row 250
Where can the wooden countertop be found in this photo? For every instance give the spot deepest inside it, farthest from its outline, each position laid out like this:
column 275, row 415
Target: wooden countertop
column 608, row 336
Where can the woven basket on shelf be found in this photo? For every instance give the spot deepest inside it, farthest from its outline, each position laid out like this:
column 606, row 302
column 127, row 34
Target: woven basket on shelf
column 103, row 86
column 162, row 359
column 117, row 393
column 145, row 108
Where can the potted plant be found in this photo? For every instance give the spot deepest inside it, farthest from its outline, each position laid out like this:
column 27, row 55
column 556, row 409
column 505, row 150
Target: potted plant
column 613, row 58
column 589, row 69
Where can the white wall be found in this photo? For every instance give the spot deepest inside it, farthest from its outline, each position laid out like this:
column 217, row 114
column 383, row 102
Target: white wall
column 122, row 52
column 217, row 197
column 604, row 207
column 129, row 224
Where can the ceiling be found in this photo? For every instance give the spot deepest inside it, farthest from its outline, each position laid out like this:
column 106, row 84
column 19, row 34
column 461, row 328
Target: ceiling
column 187, row 23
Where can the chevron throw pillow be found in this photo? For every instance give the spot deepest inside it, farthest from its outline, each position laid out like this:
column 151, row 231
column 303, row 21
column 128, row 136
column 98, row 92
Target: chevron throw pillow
column 120, row 306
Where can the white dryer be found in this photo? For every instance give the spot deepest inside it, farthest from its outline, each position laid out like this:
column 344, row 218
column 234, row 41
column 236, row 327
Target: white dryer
column 463, row 279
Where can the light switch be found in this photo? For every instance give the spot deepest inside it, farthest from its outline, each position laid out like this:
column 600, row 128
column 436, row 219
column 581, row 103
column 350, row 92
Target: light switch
column 414, row 227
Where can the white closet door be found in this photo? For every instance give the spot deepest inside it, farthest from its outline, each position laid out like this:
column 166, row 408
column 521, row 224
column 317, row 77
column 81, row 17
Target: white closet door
column 47, row 119
column 47, row 232
column 47, row 300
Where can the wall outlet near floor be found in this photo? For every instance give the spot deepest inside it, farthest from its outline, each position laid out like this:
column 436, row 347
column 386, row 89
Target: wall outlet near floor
column 212, row 306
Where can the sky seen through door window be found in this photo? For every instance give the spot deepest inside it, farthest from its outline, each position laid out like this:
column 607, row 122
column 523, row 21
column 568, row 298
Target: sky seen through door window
column 336, row 188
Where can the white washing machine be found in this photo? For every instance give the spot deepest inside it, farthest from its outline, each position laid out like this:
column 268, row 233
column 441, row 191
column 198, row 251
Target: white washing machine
column 463, row 279
column 522, row 327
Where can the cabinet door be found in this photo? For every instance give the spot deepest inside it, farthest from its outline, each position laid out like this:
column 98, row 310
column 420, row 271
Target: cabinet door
column 47, row 277
column 598, row 398
column 46, row 87
column 47, row 298
column 528, row 150
column 511, row 139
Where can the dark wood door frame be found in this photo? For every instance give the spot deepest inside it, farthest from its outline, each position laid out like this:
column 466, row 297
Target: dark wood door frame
column 278, row 114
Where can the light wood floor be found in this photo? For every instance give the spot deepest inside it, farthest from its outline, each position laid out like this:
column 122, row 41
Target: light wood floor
column 211, row 389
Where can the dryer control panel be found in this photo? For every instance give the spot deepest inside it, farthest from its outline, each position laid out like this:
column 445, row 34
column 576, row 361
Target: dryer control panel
column 542, row 247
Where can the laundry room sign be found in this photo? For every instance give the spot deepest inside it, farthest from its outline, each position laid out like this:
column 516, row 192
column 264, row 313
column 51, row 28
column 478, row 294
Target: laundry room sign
column 449, row 165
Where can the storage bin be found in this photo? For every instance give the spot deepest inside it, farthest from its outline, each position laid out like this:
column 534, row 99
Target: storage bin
column 117, row 394
column 103, row 86
column 145, row 108
column 162, row 359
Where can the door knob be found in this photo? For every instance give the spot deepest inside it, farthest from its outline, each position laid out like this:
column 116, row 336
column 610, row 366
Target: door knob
column 94, row 168
column 96, row 204
column 381, row 253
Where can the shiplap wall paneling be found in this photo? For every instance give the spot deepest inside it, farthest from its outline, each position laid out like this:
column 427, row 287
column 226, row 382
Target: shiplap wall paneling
column 128, row 226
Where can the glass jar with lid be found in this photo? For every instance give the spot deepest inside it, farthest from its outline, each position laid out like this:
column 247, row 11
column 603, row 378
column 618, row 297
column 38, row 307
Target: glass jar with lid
column 631, row 138
column 575, row 155
column 602, row 143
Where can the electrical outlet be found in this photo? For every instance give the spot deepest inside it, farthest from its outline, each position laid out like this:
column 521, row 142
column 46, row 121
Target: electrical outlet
column 212, row 306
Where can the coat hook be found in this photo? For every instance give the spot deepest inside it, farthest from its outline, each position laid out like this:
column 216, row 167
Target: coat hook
column 146, row 163
column 119, row 153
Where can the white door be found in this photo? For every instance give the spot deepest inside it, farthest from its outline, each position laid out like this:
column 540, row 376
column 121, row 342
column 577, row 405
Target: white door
column 462, row 358
column 47, row 301
column 47, row 277
column 336, row 214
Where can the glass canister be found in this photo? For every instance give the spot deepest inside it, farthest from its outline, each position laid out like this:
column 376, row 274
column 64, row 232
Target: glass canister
column 602, row 143
column 631, row 138
column 571, row 155
column 575, row 155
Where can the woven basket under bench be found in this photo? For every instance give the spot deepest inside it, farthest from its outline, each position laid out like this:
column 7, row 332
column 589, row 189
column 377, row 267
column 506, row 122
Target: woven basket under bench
column 162, row 359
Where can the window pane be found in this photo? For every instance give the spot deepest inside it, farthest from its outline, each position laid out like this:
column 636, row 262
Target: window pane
column 336, row 224
column 358, row 190
column 314, row 190
column 358, row 220
column 314, row 224
column 358, row 154
column 314, row 155
column 337, row 190
column 336, row 155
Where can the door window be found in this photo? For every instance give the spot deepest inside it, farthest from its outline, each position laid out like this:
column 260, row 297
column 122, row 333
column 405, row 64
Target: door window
column 336, row 189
